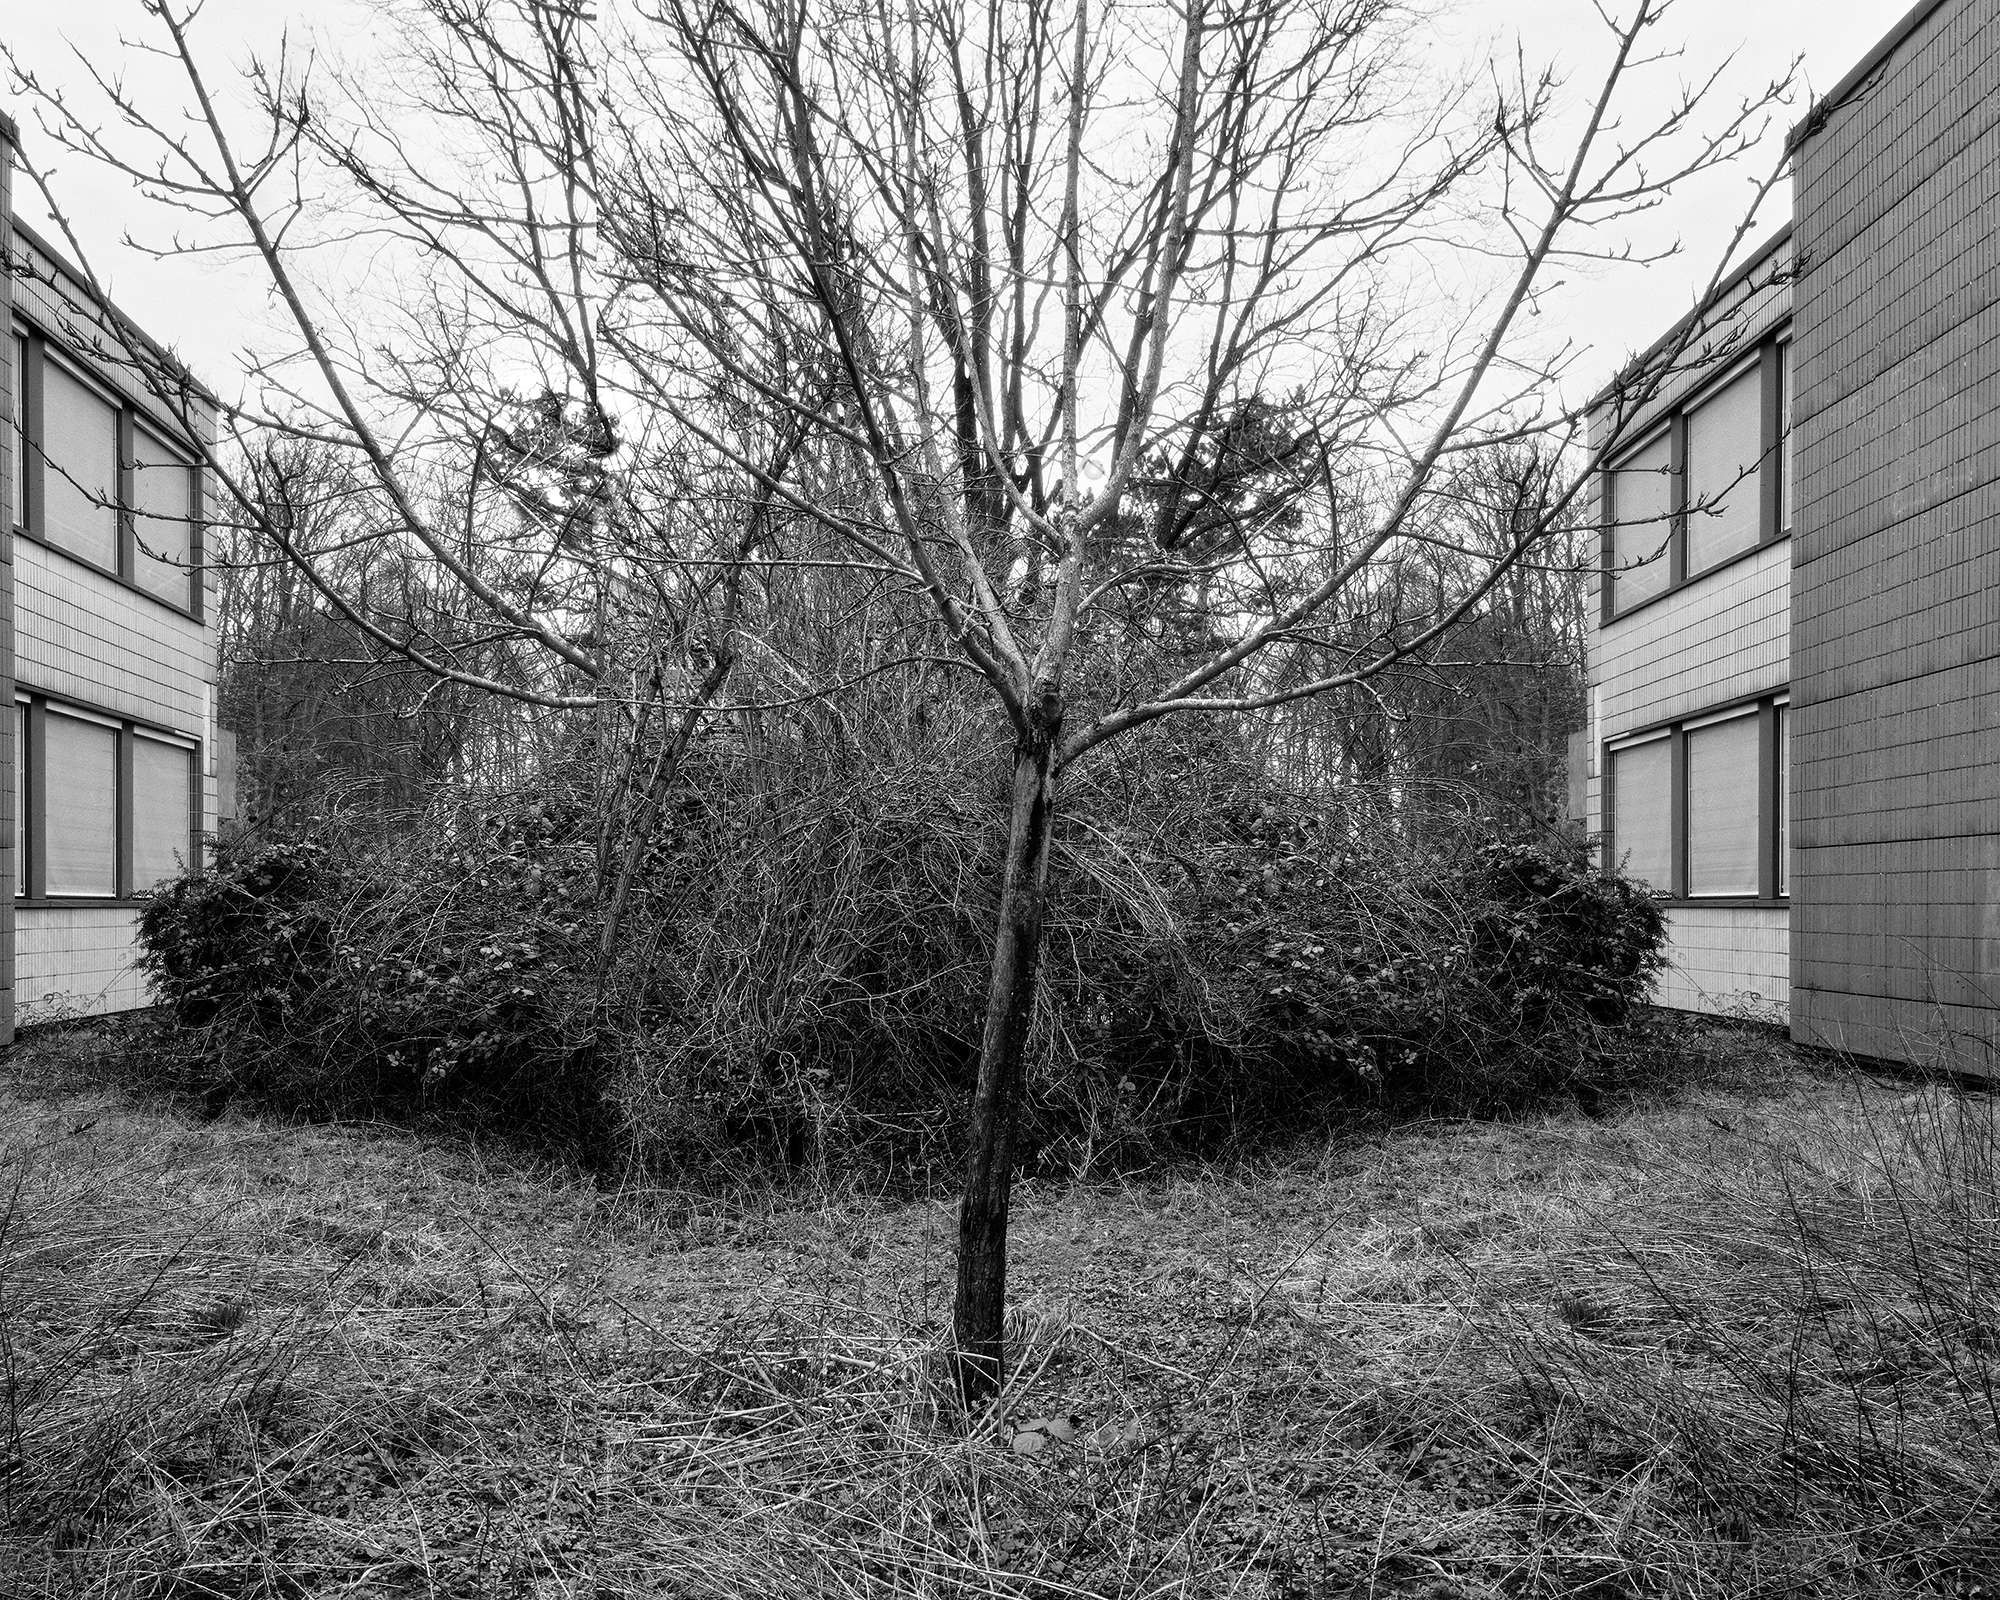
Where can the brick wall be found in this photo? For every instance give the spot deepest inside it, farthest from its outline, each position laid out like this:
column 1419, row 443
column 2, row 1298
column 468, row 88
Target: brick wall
column 75, row 960
column 8, row 866
column 78, row 634
column 1732, row 959
column 1896, row 585
column 1720, row 639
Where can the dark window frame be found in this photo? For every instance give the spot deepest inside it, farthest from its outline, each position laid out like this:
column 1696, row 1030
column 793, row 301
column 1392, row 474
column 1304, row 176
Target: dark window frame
column 1773, row 515
column 30, row 517
column 33, row 788
column 1773, row 882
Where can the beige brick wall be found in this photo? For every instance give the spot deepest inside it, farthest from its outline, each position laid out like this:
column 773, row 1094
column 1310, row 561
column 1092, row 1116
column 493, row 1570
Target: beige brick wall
column 1722, row 638
column 74, row 960
column 1728, row 959
column 1896, row 609
column 80, row 635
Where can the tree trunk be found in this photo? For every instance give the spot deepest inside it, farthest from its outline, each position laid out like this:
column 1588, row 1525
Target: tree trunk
column 979, row 1312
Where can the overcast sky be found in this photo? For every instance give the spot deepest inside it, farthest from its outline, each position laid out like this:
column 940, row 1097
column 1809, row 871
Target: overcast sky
column 207, row 313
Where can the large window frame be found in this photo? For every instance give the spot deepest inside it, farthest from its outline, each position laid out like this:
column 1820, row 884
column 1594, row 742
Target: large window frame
column 1773, row 791
column 1772, row 362
column 32, row 710
column 32, row 353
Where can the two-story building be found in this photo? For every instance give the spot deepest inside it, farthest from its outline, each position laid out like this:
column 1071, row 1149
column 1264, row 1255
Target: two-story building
column 106, row 648
column 1796, row 665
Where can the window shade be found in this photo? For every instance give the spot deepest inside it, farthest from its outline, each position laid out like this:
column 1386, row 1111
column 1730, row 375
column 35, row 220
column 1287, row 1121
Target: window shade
column 1642, row 812
column 1785, row 434
column 80, row 480
column 162, row 489
column 20, row 798
column 1784, row 799
column 18, row 443
column 1642, row 506
column 1723, row 807
column 1725, row 442
column 160, row 777
column 80, row 819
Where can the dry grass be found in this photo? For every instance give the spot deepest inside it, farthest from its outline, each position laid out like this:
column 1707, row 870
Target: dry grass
column 1739, row 1343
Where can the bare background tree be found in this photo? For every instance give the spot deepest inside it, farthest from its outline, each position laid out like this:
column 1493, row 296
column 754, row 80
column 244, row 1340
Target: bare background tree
column 715, row 370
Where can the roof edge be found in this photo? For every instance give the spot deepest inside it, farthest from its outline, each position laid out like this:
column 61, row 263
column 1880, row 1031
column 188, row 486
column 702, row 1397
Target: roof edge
column 1763, row 253
column 1859, row 74
column 129, row 324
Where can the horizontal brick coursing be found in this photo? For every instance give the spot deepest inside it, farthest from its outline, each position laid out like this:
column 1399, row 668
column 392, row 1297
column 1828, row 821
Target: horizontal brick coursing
column 1728, row 959
column 1721, row 638
column 79, row 635
column 73, row 960
column 1896, row 594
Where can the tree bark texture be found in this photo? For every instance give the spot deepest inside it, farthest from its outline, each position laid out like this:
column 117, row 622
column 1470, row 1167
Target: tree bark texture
column 980, row 1309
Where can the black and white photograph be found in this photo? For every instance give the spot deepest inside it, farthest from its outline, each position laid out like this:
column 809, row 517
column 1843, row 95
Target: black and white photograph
column 1000, row 800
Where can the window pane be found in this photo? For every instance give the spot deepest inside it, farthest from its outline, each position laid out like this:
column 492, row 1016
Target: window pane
column 20, row 798
column 160, row 776
column 1642, row 518
column 1641, row 779
column 1725, row 440
column 80, row 481
column 161, row 489
column 81, row 824
column 1785, row 435
column 1723, row 807
column 1784, row 800
column 18, row 441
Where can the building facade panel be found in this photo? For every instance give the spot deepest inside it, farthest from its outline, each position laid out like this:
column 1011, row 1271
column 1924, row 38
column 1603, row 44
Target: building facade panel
column 1714, row 644
column 1727, row 961
column 1896, row 588
column 107, row 764
column 75, row 961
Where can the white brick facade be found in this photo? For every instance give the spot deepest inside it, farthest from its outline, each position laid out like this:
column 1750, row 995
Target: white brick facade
column 87, row 646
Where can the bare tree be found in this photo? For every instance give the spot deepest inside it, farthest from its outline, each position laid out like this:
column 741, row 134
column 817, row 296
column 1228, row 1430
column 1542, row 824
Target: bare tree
column 1119, row 353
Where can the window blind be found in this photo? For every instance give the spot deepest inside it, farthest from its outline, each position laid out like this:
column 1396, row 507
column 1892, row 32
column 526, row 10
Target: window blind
column 80, row 819
column 1725, row 441
column 160, row 776
column 1723, row 807
column 1642, row 506
column 1784, row 799
column 80, row 481
column 162, row 495
column 20, row 798
column 1642, row 812
column 18, row 465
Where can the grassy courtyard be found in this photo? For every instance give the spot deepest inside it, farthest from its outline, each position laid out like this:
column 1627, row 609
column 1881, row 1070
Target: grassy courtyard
column 1740, row 1339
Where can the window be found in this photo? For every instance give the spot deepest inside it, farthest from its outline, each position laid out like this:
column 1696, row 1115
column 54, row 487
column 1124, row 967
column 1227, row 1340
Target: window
column 1722, row 770
column 1697, row 810
column 93, row 481
column 162, row 518
column 1785, row 436
column 104, row 808
column 1641, row 818
column 1698, row 494
column 1724, row 446
column 18, row 452
column 1782, row 797
column 79, row 438
column 1642, row 510
column 80, row 807
column 162, row 784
